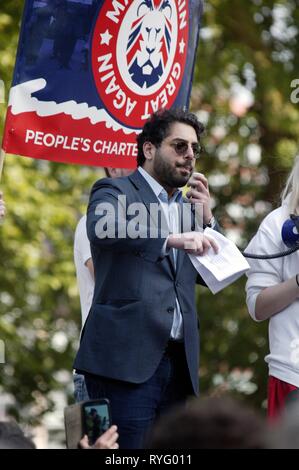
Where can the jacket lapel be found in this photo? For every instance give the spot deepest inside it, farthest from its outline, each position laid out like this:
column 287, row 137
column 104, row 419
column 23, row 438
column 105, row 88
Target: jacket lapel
column 149, row 199
column 184, row 205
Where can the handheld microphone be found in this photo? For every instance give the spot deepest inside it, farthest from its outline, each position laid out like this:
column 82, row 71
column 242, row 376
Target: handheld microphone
column 290, row 237
column 290, row 231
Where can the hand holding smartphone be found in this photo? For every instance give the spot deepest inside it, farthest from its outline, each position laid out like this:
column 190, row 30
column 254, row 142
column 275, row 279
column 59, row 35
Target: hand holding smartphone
column 96, row 418
column 92, row 417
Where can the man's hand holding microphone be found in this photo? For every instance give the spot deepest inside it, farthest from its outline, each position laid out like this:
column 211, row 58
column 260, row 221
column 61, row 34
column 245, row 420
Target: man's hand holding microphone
column 196, row 243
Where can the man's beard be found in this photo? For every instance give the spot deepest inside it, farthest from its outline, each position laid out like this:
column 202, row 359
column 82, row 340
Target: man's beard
column 169, row 175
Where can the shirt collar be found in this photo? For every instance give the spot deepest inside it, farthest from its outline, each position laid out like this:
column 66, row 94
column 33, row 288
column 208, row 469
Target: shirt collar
column 158, row 189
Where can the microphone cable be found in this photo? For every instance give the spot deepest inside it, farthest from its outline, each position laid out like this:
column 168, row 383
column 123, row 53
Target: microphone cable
column 274, row 255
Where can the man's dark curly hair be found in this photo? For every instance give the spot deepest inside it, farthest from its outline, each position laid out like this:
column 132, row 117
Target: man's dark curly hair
column 157, row 128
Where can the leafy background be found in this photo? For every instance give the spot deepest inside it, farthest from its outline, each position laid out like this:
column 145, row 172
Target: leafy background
column 248, row 57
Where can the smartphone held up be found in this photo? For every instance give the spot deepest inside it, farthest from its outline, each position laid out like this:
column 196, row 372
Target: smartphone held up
column 91, row 417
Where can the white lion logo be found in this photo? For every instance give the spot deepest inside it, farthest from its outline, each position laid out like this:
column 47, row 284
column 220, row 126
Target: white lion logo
column 149, row 42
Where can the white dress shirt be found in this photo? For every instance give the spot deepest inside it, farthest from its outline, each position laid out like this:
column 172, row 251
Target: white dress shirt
column 170, row 207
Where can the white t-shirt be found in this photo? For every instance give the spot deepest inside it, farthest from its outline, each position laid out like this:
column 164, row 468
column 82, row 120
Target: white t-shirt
column 283, row 359
column 84, row 278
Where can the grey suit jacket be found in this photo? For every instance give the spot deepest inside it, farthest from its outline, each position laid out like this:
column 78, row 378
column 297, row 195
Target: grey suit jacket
column 130, row 320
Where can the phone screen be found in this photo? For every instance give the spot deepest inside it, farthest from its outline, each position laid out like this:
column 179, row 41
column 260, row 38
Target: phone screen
column 96, row 419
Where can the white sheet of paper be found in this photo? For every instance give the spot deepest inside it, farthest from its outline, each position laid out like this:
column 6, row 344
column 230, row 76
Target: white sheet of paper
column 218, row 270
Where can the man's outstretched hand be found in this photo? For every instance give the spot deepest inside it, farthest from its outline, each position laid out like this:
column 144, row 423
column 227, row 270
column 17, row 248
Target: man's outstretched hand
column 194, row 243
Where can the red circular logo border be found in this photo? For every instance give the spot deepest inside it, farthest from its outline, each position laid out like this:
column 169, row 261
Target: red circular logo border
column 107, row 76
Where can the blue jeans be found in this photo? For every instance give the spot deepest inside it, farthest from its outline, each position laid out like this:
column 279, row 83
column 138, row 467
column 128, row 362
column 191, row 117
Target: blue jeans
column 80, row 390
column 135, row 407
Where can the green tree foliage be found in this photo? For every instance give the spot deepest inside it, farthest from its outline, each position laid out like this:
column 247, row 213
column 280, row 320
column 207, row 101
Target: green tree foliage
column 245, row 45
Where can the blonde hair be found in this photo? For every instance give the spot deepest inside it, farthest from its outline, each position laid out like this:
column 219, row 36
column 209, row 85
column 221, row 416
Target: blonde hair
column 292, row 189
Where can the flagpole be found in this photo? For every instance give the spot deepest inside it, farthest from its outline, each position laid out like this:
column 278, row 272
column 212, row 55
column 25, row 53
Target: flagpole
column 2, row 158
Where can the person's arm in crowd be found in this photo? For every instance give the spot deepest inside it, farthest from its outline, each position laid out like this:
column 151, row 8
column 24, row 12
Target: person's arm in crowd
column 90, row 267
column 2, row 206
column 272, row 300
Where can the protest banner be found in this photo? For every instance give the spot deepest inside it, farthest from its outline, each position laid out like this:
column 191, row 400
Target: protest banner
column 89, row 73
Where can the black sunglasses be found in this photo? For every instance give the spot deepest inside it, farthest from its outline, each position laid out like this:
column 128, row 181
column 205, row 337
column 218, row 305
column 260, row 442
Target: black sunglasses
column 181, row 148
